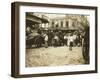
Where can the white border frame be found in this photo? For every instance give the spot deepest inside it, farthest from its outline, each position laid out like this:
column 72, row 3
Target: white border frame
column 69, row 68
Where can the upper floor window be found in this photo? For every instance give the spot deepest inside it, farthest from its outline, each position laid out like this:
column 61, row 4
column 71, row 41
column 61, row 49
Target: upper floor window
column 61, row 23
column 67, row 24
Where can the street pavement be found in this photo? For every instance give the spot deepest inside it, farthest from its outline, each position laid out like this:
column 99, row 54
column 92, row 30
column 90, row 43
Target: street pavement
column 54, row 56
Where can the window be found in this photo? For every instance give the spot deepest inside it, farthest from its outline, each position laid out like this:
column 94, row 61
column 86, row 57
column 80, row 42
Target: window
column 61, row 23
column 73, row 23
column 66, row 23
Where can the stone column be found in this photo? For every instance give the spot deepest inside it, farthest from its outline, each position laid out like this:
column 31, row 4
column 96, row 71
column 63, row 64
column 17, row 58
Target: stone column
column 70, row 23
column 64, row 23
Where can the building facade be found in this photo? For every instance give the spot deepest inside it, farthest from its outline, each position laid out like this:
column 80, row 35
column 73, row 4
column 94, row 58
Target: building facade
column 66, row 22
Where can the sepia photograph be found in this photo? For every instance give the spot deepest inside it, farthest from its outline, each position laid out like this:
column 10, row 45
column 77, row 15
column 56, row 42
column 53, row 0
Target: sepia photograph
column 56, row 39
column 52, row 39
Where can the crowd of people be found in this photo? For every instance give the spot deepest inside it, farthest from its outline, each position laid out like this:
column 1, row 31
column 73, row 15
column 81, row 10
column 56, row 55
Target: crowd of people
column 57, row 38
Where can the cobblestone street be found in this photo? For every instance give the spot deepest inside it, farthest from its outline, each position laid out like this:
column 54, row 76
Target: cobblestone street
column 53, row 56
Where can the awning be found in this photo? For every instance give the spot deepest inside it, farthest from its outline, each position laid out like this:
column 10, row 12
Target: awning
column 35, row 19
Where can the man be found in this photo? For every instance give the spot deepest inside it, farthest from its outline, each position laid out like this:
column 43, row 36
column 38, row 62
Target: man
column 46, row 40
column 65, row 39
column 56, row 40
column 70, row 41
column 74, row 37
